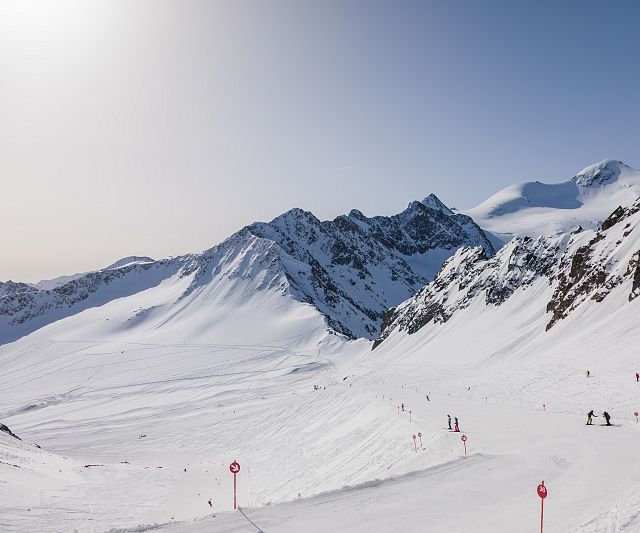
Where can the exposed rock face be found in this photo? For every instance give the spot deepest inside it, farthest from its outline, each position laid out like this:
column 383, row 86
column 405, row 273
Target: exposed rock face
column 634, row 269
column 600, row 173
column 582, row 265
column 352, row 268
column 469, row 274
column 5, row 429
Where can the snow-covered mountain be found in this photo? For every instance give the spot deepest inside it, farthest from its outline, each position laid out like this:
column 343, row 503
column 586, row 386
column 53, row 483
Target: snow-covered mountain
column 536, row 208
column 581, row 267
column 352, row 269
column 141, row 382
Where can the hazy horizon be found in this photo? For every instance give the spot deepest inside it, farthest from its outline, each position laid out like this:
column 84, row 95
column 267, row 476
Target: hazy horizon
column 158, row 128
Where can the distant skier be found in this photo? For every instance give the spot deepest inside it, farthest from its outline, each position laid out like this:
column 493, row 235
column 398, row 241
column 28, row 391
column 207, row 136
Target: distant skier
column 637, row 377
column 210, row 503
column 428, row 398
column 449, row 421
column 589, row 418
column 607, row 417
column 456, row 427
column 588, row 374
column 403, row 407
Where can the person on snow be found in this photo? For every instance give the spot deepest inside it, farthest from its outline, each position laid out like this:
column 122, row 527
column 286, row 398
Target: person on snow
column 589, row 418
column 588, row 374
column 449, row 421
column 607, row 417
column 456, row 428
column 637, row 377
column 402, row 407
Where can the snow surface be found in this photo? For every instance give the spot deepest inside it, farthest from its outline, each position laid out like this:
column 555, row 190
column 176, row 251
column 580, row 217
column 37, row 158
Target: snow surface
column 536, row 208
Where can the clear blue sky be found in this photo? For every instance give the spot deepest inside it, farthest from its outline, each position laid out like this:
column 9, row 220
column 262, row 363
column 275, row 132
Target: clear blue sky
column 158, row 127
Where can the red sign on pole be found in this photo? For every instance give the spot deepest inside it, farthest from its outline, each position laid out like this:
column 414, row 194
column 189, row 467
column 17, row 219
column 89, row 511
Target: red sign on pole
column 414, row 444
column 542, row 492
column 234, row 468
column 464, row 440
column 420, row 437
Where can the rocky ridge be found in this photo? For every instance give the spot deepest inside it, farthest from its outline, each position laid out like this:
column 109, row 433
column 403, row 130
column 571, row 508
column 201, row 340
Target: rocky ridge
column 352, row 268
column 580, row 266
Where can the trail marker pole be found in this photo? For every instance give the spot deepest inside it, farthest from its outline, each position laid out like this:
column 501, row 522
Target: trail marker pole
column 636, row 413
column 234, row 468
column 420, row 436
column 415, row 448
column 409, row 416
column 464, row 441
column 542, row 492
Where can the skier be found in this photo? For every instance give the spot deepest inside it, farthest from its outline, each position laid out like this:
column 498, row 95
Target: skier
column 637, row 377
column 456, row 428
column 403, row 407
column 210, row 503
column 589, row 419
column 449, row 421
column 607, row 417
column 588, row 374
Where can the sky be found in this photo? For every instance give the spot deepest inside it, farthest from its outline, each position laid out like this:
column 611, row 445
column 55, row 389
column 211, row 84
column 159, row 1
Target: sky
column 158, row 128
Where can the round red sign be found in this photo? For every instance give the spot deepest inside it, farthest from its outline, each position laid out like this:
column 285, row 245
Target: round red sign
column 463, row 438
column 542, row 491
column 234, row 467
column 414, row 437
column 419, row 434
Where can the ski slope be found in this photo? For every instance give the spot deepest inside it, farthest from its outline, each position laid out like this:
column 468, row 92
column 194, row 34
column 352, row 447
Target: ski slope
column 204, row 390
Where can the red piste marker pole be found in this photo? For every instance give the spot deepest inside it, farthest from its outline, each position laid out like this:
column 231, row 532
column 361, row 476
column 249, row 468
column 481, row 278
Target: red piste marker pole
column 235, row 468
column 415, row 448
column 464, row 441
column 636, row 413
column 542, row 492
column 420, row 437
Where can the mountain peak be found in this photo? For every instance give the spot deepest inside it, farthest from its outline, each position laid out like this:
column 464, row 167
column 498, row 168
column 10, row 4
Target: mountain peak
column 434, row 202
column 601, row 173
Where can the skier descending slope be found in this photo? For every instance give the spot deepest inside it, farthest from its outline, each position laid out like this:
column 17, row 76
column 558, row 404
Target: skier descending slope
column 449, row 421
column 589, row 418
column 607, row 417
column 456, row 427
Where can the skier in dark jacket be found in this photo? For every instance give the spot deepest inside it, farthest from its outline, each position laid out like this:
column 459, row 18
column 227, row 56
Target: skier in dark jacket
column 589, row 419
column 449, row 421
column 607, row 417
